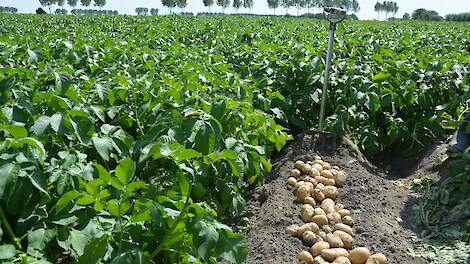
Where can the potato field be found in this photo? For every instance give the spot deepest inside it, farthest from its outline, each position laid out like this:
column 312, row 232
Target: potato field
column 129, row 139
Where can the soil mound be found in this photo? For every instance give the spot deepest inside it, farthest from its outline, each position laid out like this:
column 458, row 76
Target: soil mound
column 379, row 206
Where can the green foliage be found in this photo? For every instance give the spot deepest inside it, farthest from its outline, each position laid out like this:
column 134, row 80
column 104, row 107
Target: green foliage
column 458, row 17
column 111, row 153
column 428, row 15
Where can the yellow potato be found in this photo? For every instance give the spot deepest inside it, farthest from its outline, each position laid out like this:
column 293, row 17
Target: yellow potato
column 327, row 229
column 334, row 241
column 294, row 173
column 319, row 211
column 310, row 238
column 330, row 192
column 335, row 167
column 326, row 165
column 314, row 172
column 339, row 206
column 322, row 234
column 359, row 255
column 306, row 257
column 311, row 180
column 307, row 227
column 306, row 212
column 320, row 220
column 317, row 167
column 291, row 181
column 327, row 174
column 317, row 158
column 340, row 178
column 348, row 220
column 346, row 238
column 344, row 228
column 325, row 181
column 334, row 217
column 292, row 230
column 333, row 253
column 341, row 260
column 344, row 212
column 303, row 192
column 310, row 201
column 378, row 258
column 299, row 164
column 328, row 206
column 318, row 195
column 318, row 247
column 299, row 183
column 319, row 260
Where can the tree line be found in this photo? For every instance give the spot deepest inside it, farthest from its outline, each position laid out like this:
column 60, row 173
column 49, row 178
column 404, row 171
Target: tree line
column 8, row 9
column 72, row 3
column 458, row 17
column 386, row 7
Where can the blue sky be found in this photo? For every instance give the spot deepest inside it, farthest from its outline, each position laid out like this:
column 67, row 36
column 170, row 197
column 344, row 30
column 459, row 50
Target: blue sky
column 260, row 7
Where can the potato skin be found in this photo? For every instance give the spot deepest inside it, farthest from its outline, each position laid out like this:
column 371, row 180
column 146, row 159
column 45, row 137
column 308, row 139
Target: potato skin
column 346, row 238
column 344, row 228
column 306, row 213
column 292, row 230
column 334, row 241
column 378, row 258
column 348, row 220
column 359, row 255
column 341, row 260
column 303, row 192
column 294, row 173
column 333, row 253
column 310, row 201
column 307, row 227
column 310, row 238
column 328, row 205
column 292, row 181
column 306, row 257
column 330, row 192
column 320, row 220
column 318, row 247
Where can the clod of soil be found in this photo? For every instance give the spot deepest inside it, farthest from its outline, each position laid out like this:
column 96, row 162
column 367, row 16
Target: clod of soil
column 378, row 206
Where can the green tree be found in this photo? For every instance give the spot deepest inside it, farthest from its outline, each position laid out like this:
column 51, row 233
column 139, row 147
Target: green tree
column 47, row 3
column 248, row 4
column 287, row 4
column 72, row 3
column 154, row 11
column 170, row 4
column 100, row 3
column 406, row 16
column 273, row 4
column 182, row 4
column 237, row 4
column 223, row 4
column 85, row 2
column 208, row 3
column 378, row 7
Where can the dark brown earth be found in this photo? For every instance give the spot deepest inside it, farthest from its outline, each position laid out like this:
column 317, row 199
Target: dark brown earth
column 381, row 208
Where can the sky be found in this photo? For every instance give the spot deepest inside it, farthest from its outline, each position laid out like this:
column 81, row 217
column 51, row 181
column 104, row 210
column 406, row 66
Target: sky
column 260, row 6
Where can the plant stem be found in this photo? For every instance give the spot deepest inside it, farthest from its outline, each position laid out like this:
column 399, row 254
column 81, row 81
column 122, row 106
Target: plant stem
column 9, row 230
column 173, row 227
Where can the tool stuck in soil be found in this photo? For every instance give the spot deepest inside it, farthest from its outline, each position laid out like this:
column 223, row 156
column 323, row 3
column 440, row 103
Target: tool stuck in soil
column 328, row 226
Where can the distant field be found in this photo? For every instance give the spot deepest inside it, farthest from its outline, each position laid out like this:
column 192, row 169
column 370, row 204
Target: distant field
column 132, row 138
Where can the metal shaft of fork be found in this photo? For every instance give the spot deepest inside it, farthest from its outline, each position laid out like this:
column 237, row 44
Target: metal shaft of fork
column 326, row 81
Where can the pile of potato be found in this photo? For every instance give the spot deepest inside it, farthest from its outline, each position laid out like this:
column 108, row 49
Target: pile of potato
column 328, row 226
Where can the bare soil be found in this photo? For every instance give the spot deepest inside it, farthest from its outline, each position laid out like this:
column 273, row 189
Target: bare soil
column 381, row 205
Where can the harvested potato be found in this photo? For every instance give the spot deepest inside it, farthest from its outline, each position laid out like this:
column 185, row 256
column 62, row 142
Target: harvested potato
column 319, row 211
column 311, row 180
column 334, row 217
column 341, row 260
column 292, row 230
column 326, row 165
column 325, row 181
column 328, row 205
column 314, row 172
column 310, row 162
column 327, row 174
column 294, row 173
column 345, row 237
column 378, row 258
column 306, row 212
column 322, row 234
column 307, row 227
column 317, row 167
column 299, row 183
column 320, row 220
column 330, row 192
column 310, row 186
column 317, row 158
column 335, row 167
column 359, row 255
column 344, row 228
column 292, row 181
column 318, row 195
column 348, row 220
column 310, row 201
column 344, row 212
column 334, row 241
column 319, row 260
column 333, row 253
column 327, row 229
column 299, row 164
column 310, row 238
column 339, row 206
column 305, row 257
column 303, row 192
column 340, row 178
column 318, row 247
